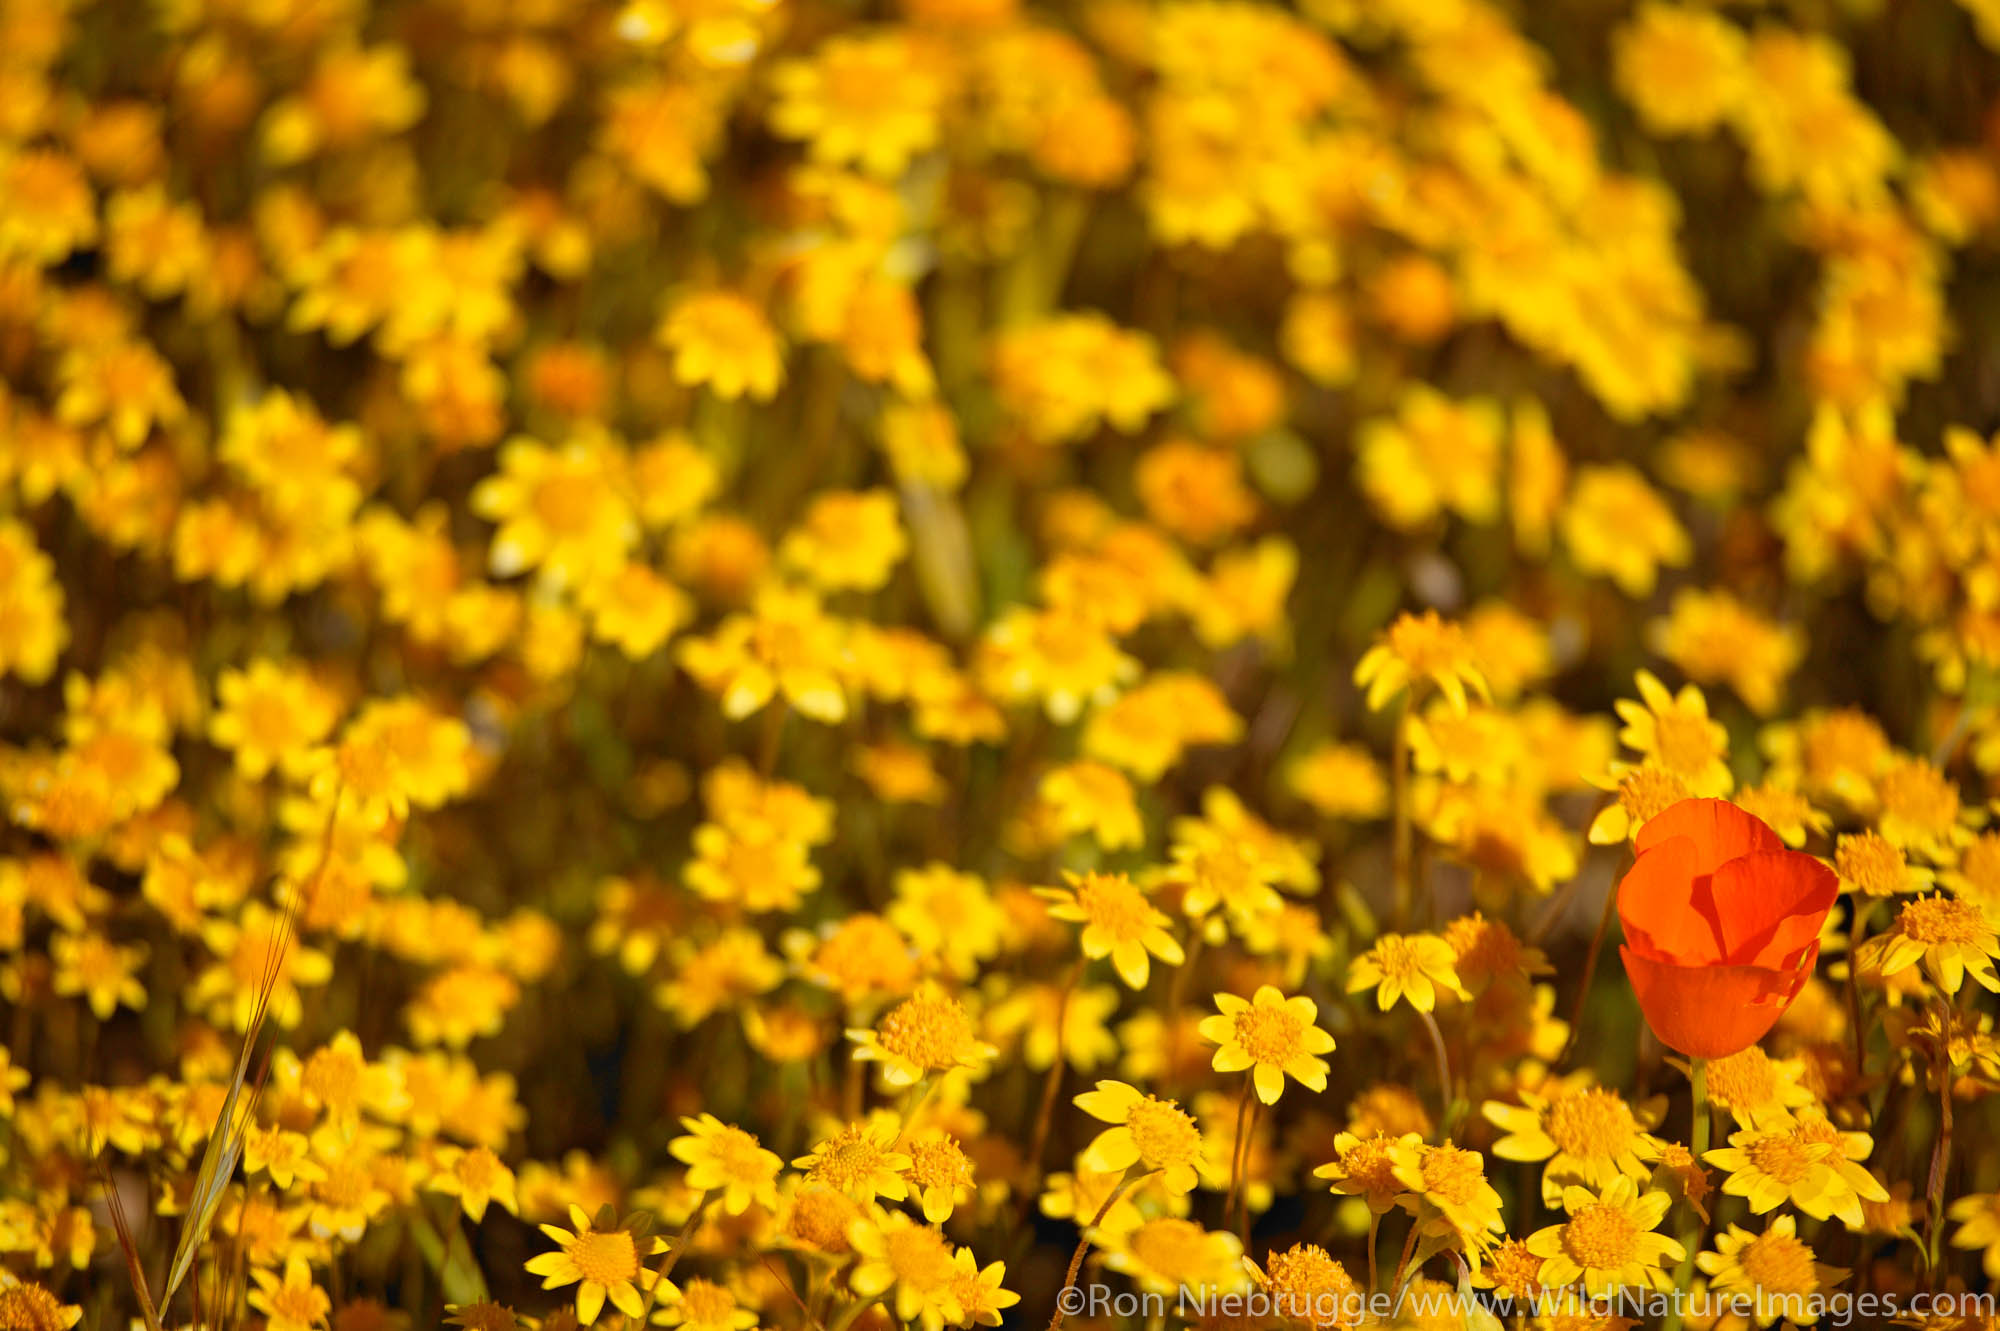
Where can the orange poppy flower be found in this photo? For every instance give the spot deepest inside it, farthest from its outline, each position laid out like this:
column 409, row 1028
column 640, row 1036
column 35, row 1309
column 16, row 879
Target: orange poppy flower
column 1721, row 925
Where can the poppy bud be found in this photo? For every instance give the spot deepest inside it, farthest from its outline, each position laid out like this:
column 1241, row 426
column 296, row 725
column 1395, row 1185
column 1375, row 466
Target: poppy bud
column 1721, row 925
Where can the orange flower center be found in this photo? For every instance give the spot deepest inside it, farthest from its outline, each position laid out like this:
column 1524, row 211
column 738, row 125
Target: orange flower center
column 1452, row 1176
column 1593, row 1125
column 1515, row 1268
column 479, row 1170
column 1917, row 794
column 1780, row 1264
column 1171, row 1247
column 705, row 1303
column 1871, row 864
column 1646, row 792
column 1936, row 921
column 1306, row 1282
column 1786, row 1159
column 566, row 502
column 929, row 1029
column 939, row 1163
column 849, row 1161
column 1113, row 904
column 1269, row 1034
column 1369, row 1166
column 919, row 1256
column 30, row 1308
column 1743, row 1080
column 606, row 1259
column 1685, row 743
column 1600, row 1237
column 1163, row 1132
column 820, row 1217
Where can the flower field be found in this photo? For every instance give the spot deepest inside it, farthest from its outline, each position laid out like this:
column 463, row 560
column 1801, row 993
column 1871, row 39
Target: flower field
column 805, row 665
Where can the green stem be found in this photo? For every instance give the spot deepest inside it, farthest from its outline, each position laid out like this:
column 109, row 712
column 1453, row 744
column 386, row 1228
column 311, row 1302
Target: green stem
column 1051, row 1088
column 1082, row 1247
column 1940, row 1153
column 1691, row 1223
column 1236, row 1154
column 1590, row 970
column 679, row 1246
column 1446, row 1100
column 1399, row 789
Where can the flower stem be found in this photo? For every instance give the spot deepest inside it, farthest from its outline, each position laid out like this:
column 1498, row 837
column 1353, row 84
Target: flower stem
column 1374, row 1230
column 1863, row 908
column 1399, row 779
column 1691, row 1223
column 1445, row 1098
column 1590, row 970
column 1402, row 1261
column 1941, row 1153
column 1050, row 1088
column 1243, row 1192
column 1236, row 1154
column 1082, row 1246
column 674, row 1252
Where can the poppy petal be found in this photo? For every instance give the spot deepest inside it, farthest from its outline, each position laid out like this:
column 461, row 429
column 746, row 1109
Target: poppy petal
column 1656, row 904
column 1720, row 831
column 1771, row 904
column 1708, row 1011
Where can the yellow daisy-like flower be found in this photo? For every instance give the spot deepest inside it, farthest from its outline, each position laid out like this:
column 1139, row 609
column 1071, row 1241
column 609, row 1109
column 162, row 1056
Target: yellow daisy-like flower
column 1096, row 798
column 1118, row 922
column 928, row 1032
column 1616, row 525
column 1273, row 1036
column 1340, row 781
column 1608, row 1243
column 1807, row 1162
column 30, row 1306
column 605, row 1260
column 847, row 540
column 1417, row 649
column 940, row 1173
column 477, row 1178
column 1588, row 1134
column 704, row 1305
column 1870, row 865
column 1366, row 1167
column 1776, row 1270
column 976, row 1289
column 871, row 100
column 1644, row 792
column 1156, row 1134
column 558, row 509
column 721, row 1156
column 1308, row 1287
column 1168, row 1254
column 1755, row 1089
column 860, row 1160
column 915, row 1260
column 1406, row 966
column 1952, row 939
column 722, row 340
column 271, row 715
column 1978, row 1218
column 290, row 1303
column 1446, row 1188
column 1674, row 731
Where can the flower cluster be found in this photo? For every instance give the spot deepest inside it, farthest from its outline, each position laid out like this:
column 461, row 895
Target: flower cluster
column 737, row 664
